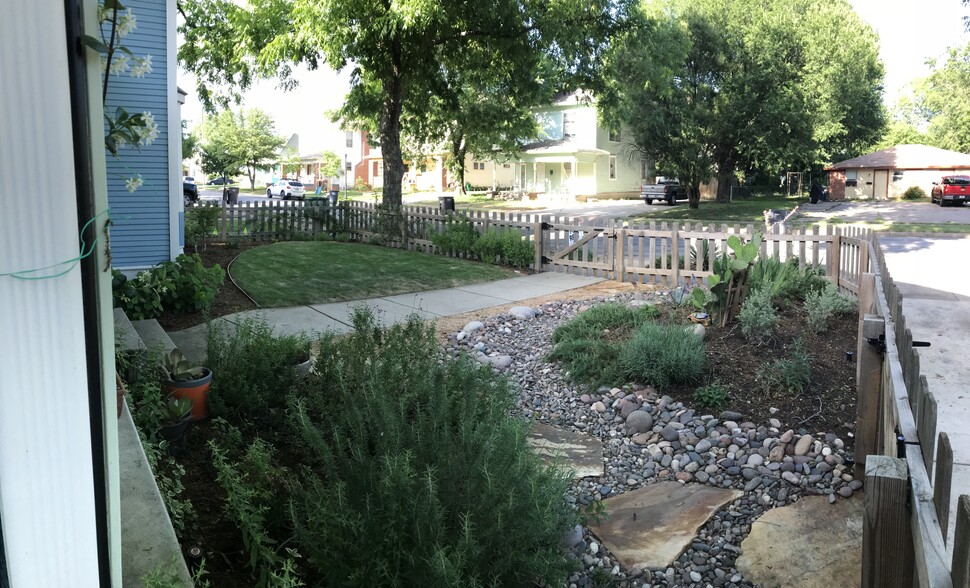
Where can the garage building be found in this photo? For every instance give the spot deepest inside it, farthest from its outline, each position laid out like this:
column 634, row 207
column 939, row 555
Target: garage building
column 888, row 173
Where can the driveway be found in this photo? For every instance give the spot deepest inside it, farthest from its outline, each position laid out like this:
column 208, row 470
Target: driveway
column 936, row 303
column 884, row 211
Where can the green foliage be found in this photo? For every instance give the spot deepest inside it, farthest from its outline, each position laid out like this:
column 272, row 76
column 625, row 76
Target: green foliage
column 458, row 237
column 416, row 475
column 914, row 193
column 692, row 85
column 663, row 356
column 825, row 305
column 610, row 319
column 941, row 104
column 252, row 370
column 244, row 139
column 742, row 256
column 179, row 369
column 785, row 280
column 792, row 372
column 506, row 246
column 758, row 317
column 593, row 361
column 200, row 224
column 330, row 165
column 176, row 409
column 252, row 503
column 183, row 285
column 713, row 396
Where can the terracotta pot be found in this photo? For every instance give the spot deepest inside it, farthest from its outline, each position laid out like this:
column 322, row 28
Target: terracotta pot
column 197, row 391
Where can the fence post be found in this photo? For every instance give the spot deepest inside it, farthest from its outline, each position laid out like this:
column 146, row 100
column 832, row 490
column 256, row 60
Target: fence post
column 675, row 255
column 887, row 536
column 835, row 258
column 942, row 481
column 537, row 233
column 868, row 375
column 960, row 569
column 620, row 256
column 223, row 224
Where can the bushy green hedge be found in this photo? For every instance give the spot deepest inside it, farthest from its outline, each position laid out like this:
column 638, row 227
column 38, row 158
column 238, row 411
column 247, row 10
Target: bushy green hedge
column 417, row 474
column 506, row 246
column 914, row 193
column 183, row 285
column 785, row 281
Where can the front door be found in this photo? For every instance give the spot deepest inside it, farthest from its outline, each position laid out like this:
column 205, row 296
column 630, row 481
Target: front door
column 880, row 184
column 567, row 176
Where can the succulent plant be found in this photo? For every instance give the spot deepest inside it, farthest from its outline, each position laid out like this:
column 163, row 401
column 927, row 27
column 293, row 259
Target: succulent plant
column 176, row 409
column 178, row 369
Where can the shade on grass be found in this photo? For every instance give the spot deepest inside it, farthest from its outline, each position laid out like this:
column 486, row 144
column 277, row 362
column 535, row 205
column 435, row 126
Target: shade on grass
column 310, row 272
column 744, row 210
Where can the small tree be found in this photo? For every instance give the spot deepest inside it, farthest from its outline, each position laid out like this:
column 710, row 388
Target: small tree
column 330, row 164
column 257, row 145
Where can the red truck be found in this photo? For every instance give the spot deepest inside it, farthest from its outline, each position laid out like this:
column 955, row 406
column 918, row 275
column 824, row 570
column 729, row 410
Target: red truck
column 951, row 189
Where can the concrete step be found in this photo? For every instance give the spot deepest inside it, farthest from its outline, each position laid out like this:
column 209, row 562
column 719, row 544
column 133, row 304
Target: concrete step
column 126, row 335
column 153, row 335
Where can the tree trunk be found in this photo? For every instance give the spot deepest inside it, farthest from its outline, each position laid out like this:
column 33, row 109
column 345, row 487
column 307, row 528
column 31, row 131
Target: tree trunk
column 391, row 130
column 458, row 151
column 725, row 174
column 694, row 195
column 252, row 177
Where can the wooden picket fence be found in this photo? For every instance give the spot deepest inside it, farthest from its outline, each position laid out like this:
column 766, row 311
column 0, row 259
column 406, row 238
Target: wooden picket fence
column 907, row 501
column 646, row 252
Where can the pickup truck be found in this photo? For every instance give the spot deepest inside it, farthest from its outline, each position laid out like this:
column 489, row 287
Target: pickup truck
column 665, row 190
column 955, row 189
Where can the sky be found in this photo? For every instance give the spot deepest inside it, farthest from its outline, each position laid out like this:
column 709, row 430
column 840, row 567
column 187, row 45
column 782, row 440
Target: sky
column 910, row 32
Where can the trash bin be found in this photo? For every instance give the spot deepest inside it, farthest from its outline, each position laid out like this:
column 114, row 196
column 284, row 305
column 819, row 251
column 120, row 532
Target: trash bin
column 332, row 195
column 446, row 203
column 232, row 195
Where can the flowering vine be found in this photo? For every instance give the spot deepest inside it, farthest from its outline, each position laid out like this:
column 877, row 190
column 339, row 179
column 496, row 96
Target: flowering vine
column 123, row 128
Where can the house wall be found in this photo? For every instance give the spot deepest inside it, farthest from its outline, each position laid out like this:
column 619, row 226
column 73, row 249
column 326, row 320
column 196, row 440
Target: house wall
column 144, row 230
column 503, row 176
column 922, row 178
column 837, row 185
column 899, row 181
column 47, row 475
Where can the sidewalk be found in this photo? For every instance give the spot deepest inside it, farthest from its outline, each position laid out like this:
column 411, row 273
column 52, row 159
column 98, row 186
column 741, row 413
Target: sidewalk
column 336, row 316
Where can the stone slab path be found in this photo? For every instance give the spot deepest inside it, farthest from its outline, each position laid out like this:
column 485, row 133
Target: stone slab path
column 650, row 527
column 581, row 453
column 810, row 544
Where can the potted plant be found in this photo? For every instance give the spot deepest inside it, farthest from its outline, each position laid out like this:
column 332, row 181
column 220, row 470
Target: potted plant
column 183, row 380
column 301, row 359
column 177, row 413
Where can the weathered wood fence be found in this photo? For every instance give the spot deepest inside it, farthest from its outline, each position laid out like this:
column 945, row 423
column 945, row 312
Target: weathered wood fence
column 907, row 500
column 646, row 252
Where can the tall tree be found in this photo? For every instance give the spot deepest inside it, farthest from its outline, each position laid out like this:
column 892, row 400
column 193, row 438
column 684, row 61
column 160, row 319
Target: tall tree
column 717, row 88
column 401, row 52
column 941, row 102
column 248, row 137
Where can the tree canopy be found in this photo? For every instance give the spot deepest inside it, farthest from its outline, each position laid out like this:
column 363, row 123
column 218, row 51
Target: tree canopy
column 244, row 139
column 941, row 103
column 721, row 88
column 424, row 60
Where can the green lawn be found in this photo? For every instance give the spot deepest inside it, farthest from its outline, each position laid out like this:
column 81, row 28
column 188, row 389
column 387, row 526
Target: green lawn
column 742, row 210
column 312, row 272
column 901, row 227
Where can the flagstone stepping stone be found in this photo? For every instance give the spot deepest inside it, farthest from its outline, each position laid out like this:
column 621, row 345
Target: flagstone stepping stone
column 581, row 453
column 652, row 526
column 809, row 544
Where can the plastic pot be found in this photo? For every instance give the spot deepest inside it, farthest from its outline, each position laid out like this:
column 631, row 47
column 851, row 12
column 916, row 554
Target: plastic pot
column 197, row 391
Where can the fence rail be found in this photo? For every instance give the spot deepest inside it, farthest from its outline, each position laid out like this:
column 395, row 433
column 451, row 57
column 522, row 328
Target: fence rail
column 907, row 499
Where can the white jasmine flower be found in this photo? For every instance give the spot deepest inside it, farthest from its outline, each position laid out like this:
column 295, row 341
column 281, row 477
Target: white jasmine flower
column 134, row 183
column 119, row 64
column 143, row 65
column 148, row 132
column 126, row 24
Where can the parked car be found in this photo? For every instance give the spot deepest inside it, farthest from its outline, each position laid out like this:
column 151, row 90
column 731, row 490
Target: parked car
column 190, row 192
column 666, row 190
column 221, row 181
column 188, row 179
column 286, row 189
column 951, row 189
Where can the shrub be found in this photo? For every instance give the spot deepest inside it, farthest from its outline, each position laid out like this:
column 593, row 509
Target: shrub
column 505, row 246
column 713, row 396
column 618, row 319
column 183, row 285
column 758, row 317
column 200, row 224
column 825, row 305
column 252, row 370
column 785, row 281
column 663, row 356
column 914, row 193
column 458, row 237
column 793, row 372
column 591, row 361
column 417, row 474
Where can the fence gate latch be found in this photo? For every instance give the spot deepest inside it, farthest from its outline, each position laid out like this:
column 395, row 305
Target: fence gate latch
column 546, row 226
column 878, row 343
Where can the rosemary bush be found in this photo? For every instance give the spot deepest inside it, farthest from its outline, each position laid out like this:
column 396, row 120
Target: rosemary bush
column 758, row 317
column 663, row 356
column 825, row 305
column 416, row 474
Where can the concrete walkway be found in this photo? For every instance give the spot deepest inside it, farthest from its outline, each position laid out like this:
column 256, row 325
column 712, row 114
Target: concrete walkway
column 936, row 303
column 336, row 316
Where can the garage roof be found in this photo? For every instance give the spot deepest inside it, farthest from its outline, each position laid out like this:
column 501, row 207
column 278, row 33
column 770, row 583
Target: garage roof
column 907, row 157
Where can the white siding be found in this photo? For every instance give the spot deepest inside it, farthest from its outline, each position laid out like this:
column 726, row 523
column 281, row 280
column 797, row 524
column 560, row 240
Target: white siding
column 46, row 476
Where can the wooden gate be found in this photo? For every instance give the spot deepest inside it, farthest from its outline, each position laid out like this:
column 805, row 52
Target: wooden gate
column 579, row 249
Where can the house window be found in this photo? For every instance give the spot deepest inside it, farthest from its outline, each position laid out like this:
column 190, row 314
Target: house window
column 506, row 165
column 349, row 166
column 851, row 178
column 478, row 165
column 612, row 167
column 568, row 124
column 615, row 135
column 897, row 176
column 350, row 139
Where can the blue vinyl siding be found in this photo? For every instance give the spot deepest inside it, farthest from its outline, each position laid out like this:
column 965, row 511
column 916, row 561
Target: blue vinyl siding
column 140, row 234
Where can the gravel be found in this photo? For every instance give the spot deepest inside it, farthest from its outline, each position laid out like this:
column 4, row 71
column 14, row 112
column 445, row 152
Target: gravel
column 649, row 438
